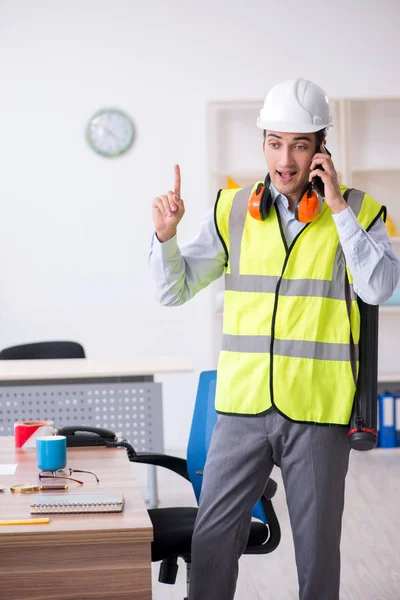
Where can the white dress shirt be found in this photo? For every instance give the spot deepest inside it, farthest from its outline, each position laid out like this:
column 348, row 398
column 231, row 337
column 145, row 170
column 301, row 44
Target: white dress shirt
column 180, row 272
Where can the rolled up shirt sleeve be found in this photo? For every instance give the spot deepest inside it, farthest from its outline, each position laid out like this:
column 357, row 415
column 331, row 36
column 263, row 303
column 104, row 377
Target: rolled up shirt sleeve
column 181, row 272
column 369, row 255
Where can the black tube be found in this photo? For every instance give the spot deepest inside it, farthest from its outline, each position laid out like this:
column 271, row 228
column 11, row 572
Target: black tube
column 363, row 424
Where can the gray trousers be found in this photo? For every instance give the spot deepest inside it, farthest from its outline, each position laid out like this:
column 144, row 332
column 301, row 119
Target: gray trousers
column 243, row 450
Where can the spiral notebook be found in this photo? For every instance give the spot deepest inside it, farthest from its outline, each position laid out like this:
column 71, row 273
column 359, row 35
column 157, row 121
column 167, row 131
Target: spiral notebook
column 77, row 503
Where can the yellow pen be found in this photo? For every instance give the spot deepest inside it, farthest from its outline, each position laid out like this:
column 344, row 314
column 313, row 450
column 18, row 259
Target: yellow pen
column 26, row 522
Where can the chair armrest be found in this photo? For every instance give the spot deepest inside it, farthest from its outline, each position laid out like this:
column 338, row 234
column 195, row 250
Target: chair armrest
column 173, row 463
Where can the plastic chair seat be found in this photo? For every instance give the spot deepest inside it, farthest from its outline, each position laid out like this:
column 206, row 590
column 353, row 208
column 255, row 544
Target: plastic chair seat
column 173, row 529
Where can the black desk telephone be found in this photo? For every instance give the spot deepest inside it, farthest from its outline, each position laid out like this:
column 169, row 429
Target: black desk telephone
column 83, row 435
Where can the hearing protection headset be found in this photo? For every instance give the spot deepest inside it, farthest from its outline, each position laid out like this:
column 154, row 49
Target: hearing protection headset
column 306, row 208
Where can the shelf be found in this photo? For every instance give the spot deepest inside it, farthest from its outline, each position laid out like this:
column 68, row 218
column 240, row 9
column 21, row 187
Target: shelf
column 383, row 170
column 389, row 309
column 389, row 376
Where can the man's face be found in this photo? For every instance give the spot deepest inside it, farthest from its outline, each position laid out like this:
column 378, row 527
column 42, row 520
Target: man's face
column 288, row 157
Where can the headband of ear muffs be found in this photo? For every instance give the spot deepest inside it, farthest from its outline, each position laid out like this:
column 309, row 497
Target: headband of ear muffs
column 260, row 202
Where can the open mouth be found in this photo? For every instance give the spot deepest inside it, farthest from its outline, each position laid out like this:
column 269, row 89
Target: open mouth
column 286, row 176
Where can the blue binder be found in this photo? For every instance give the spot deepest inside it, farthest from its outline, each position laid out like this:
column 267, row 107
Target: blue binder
column 387, row 433
column 397, row 419
column 378, row 427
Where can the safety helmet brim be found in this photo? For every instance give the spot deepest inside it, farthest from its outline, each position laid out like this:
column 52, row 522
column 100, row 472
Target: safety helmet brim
column 285, row 127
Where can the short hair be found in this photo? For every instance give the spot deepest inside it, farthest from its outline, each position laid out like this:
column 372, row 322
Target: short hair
column 320, row 136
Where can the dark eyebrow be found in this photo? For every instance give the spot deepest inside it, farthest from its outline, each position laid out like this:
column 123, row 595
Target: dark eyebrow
column 302, row 137
column 295, row 139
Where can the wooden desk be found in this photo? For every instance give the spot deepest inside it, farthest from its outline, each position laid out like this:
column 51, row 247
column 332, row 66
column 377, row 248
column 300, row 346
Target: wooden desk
column 76, row 556
column 66, row 391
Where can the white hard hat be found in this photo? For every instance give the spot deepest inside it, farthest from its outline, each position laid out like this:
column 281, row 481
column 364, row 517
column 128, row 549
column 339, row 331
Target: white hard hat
column 297, row 106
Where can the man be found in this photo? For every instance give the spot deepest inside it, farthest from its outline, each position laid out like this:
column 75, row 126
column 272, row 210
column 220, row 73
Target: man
column 286, row 373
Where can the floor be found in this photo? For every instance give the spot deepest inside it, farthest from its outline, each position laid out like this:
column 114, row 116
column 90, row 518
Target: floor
column 370, row 540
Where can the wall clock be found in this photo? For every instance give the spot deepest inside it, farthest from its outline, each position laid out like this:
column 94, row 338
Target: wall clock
column 110, row 132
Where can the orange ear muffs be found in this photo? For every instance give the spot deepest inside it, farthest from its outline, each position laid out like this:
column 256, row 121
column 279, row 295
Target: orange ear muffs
column 307, row 206
column 254, row 206
column 260, row 200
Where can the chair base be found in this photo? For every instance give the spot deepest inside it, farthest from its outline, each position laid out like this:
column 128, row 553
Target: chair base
column 169, row 570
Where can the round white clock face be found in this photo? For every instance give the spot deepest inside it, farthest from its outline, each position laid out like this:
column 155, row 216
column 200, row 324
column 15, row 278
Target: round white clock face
column 110, row 132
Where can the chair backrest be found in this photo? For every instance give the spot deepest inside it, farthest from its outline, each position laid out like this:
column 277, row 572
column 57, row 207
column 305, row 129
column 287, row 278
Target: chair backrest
column 204, row 419
column 43, row 350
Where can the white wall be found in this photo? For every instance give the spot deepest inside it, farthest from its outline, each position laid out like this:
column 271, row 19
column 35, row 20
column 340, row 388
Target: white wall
column 75, row 228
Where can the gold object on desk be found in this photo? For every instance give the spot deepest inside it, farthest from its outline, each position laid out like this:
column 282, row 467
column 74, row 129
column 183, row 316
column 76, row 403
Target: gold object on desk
column 26, row 488
column 25, row 522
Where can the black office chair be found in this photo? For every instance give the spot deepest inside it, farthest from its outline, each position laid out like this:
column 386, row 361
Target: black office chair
column 173, row 527
column 43, row 350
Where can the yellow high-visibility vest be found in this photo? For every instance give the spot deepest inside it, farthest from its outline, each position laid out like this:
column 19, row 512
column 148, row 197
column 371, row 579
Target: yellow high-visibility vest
column 288, row 332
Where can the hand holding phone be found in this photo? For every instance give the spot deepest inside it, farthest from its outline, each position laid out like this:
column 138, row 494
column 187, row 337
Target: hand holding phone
column 325, row 180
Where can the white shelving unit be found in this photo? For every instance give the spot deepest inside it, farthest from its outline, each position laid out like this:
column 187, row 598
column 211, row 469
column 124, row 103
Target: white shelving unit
column 389, row 310
column 365, row 151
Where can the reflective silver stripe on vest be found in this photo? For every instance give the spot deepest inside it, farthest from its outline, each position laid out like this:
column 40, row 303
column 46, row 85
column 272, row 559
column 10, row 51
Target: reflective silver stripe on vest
column 354, row 200
column 237, row 219
column 319, row 288
column 246, row 343
column 293, row 348
column 318, row 350
column 339, row 266
column 251, row 283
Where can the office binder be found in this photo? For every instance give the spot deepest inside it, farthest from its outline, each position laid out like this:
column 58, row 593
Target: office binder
column 378, row 425
column 387, row 420
column 397, row 419
column 77, row 503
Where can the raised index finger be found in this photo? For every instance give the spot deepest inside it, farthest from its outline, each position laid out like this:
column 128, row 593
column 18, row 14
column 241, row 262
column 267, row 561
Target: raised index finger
column 177, row 184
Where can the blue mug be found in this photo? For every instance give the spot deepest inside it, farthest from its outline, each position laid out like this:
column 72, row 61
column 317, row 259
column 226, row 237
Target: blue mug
column 51, row 452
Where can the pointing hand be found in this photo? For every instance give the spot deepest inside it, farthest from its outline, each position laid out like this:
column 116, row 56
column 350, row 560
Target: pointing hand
column 168, row 210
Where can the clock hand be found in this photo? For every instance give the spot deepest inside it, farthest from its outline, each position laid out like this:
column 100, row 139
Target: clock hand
column 110, row 132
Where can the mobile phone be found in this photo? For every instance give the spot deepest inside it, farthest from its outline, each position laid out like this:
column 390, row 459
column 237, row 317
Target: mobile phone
column 317, row 181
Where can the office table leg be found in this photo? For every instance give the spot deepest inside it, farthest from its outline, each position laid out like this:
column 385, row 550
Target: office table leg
column 152, row 488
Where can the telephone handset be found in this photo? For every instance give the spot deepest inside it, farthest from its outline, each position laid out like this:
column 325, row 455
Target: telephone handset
column 317, row 181
column 84, row 435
